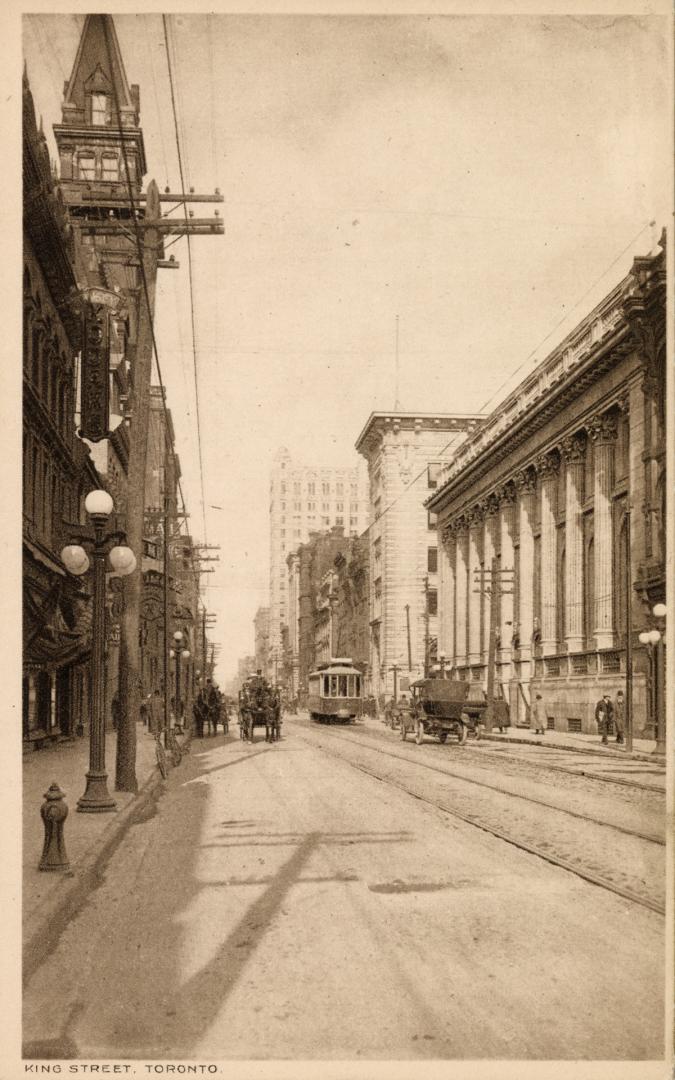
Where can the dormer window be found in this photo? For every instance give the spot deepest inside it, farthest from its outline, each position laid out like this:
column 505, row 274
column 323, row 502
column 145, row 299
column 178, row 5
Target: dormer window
column 99, row 110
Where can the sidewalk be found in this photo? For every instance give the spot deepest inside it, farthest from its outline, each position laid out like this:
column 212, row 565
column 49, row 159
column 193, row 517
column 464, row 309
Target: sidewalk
column 51, row 898
column 643, row 749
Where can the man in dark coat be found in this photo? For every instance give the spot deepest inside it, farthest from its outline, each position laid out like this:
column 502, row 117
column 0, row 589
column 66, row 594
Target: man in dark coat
column 604, row 712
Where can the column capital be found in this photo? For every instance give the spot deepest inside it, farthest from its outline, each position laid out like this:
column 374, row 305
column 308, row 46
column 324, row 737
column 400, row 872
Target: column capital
column 602, row 428
column 547, row 464
column 475, row 516
column 506, row 494
column 573, row 449
column 490, row 505
column 525, row 481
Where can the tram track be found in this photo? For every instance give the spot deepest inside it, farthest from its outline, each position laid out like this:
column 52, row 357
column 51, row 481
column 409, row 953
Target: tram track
column 554, row 837
column 445, row 771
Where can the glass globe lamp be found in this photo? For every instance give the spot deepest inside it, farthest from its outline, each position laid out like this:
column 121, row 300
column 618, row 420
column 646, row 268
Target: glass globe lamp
column 122, row 560
column 75, row 559
column 98, row 504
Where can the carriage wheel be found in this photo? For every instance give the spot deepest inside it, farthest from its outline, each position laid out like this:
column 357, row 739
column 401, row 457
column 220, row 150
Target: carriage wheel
column 442, row 736
column 419, row 734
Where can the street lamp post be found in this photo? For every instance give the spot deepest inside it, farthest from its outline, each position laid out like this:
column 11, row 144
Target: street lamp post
column 99, row 506
column 395, row 668
column 178, row 653
column 654, row 641
column 441, row 660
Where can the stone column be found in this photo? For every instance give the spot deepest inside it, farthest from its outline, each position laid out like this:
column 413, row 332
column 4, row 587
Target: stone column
column 602, row 432
column 475, row 599
column 491, row 509
column 572, row 451
column 461, row 593
column 447, row 588
column 506, row 524
column 547, row 471
column 525, row 483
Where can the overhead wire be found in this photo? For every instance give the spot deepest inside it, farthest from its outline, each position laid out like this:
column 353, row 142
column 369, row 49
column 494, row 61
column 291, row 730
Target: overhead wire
column 190, row 270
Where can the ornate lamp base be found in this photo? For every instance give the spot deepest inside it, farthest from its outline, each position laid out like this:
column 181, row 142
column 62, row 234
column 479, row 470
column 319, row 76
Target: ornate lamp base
column 96, row 799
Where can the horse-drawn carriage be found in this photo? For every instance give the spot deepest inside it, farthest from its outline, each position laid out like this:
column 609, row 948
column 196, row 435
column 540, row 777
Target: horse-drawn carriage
column 443, row 707
column 259, row 706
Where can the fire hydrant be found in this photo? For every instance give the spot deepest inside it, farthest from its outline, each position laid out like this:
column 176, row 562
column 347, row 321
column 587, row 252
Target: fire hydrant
column 54, row 812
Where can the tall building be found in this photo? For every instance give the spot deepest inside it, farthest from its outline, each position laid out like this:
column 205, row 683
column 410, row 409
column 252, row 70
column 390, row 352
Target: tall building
column 404, row 452
column 565, row 486
column 306, row 499
column 58, row 470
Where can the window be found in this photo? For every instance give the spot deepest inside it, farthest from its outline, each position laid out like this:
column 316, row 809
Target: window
column 325, row 507
column 86, row 165
column 325, row 521
column 339, row 520
column 432, row 560
column 433, row 470
column 296, row 533
column 283, row 532
column 297, row 506
column 432, row 519
column 339, row 489
column 339, row 507
column 432, row 602
column 296, row 488
column 352, row 522
column 283, row 506
column 111, row 169
column 283, row 489
column 325, row 488
column 311, row 489
column 352, row 490
column 99, row 109
column 311, row 506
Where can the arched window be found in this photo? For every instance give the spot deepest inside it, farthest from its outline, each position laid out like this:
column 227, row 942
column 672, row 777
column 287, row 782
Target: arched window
column 100, row 110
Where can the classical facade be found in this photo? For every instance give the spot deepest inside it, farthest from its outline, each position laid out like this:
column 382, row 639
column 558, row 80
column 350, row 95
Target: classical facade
column 562, row 494
column 306, row 499
column 404, row 452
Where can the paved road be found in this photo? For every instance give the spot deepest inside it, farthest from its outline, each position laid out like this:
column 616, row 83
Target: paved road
column 281, row 903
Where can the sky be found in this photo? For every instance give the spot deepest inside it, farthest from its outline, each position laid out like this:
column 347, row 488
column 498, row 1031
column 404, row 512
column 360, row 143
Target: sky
column 486, row 179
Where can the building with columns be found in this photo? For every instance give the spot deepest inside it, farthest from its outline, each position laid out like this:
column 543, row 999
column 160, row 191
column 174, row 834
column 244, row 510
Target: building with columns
column 404, row 452
column 562, row 492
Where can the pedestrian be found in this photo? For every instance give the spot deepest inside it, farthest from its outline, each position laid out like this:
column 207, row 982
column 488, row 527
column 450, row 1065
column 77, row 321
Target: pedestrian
column 199, row 713
column 156, row 713
column 604, row 713
column 537, row 716
column 619, row 717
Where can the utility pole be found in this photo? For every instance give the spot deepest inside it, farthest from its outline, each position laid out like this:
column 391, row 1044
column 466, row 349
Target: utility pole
column 495, row 588
column 407, row 623
column 153, row 228
column 427, row 623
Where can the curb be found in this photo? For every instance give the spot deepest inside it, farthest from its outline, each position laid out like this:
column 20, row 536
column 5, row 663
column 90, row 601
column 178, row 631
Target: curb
column 58, row 910
column 636, row 755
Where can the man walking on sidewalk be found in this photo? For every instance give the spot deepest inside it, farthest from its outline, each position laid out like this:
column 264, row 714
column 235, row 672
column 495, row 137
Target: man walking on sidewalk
column 604, row 712
column 619, row 716
column 537, row 717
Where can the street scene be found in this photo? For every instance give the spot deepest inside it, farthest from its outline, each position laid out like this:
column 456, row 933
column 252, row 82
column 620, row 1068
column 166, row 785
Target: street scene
column 345, row 614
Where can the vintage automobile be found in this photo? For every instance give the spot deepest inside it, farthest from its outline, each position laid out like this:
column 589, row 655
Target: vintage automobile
column 443, row 707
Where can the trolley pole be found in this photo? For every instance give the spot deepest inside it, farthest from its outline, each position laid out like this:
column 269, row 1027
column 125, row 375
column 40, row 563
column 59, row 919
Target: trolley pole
column 495, row 588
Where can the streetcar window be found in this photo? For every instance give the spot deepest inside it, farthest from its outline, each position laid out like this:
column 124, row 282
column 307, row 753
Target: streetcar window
column 325, row 686
column 350, row 686
column 342, row 683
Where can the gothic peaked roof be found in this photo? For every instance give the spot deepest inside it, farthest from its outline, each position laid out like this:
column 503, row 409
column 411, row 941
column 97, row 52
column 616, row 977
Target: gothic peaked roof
column 98, row 68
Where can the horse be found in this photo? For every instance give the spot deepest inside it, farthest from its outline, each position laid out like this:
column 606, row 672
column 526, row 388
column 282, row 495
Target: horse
column 273, row 720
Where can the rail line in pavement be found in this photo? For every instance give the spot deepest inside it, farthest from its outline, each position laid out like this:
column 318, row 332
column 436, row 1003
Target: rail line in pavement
column 415, row 760
column 553, row 841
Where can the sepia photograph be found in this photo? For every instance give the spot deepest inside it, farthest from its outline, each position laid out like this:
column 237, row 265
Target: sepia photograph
column 346, row 431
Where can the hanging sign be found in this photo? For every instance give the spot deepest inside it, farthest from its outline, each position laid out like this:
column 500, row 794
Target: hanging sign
column 94, row 404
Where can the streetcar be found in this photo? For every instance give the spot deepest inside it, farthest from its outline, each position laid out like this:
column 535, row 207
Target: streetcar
column 335, row 691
